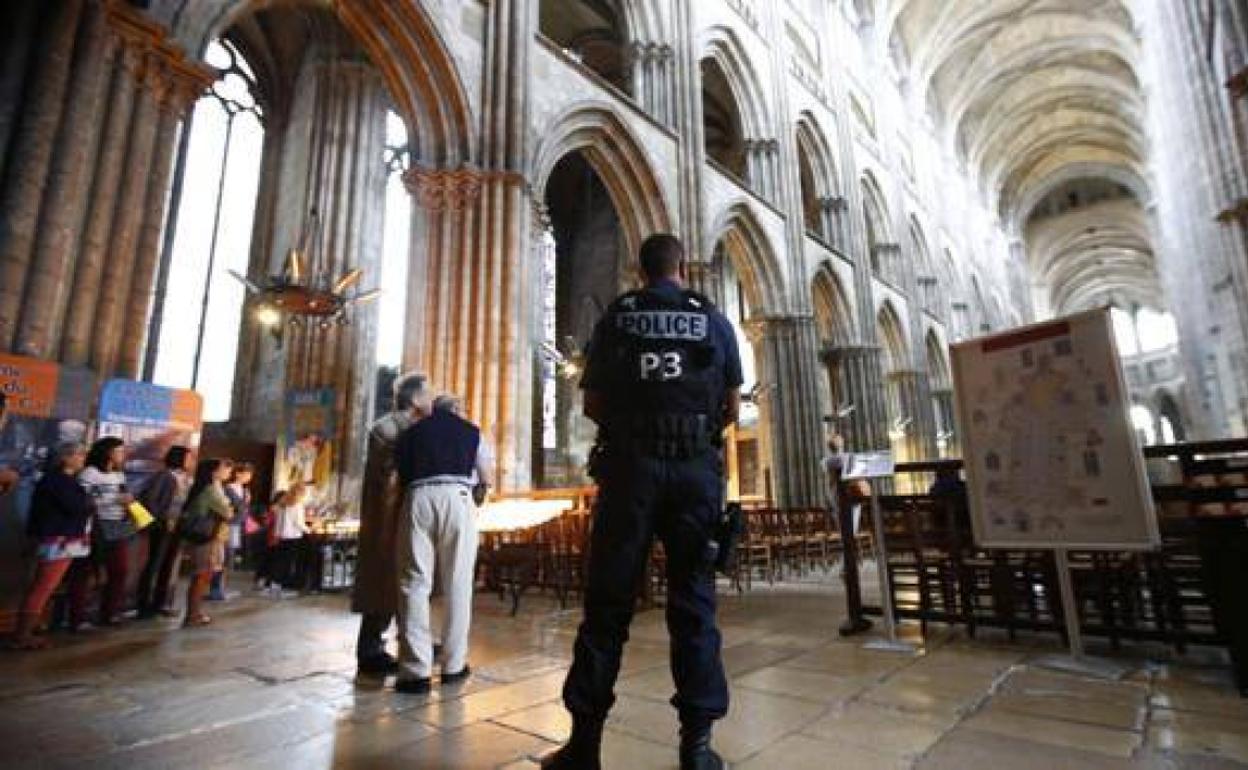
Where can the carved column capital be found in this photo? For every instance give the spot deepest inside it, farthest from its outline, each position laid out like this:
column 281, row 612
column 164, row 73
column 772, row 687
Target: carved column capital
column 442, row 189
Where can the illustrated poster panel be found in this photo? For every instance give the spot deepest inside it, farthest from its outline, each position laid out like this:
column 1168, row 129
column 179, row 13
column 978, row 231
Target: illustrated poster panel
column 46, row 405
column 307, row 452
column 150, row 419
column 1051, row 458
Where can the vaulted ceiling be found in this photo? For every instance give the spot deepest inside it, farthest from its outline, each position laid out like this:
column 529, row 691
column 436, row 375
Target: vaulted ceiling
column 1034, row 96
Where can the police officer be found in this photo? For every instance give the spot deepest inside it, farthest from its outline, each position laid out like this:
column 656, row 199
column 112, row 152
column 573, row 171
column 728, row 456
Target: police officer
column 662, row 382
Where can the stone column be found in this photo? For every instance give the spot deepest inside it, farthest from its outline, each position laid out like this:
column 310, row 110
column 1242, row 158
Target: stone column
column 181, row 83
column 68, row 191
column 832, row 214
column 652, row 79
column 886, row 262
column 911, row 397
column 94, row 250
column 946, row 421
column 473, row 335
column 33, row 145
column 791, row 399
column 18, row 24
column 762, row 168
column 854, row 370
column 114, row 289
column 340, row 146
column 929, row 296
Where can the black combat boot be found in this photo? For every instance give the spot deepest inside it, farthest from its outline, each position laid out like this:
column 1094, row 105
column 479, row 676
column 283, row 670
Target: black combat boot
column 695, row 749
column 582, row 751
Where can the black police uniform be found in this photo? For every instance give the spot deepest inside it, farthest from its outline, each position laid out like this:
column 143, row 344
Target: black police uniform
column 663, row 359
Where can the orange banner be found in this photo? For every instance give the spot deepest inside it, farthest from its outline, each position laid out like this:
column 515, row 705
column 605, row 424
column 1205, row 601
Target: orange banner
column 29, row 384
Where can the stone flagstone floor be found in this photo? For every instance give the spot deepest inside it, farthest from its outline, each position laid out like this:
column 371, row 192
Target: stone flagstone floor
column 272, row 685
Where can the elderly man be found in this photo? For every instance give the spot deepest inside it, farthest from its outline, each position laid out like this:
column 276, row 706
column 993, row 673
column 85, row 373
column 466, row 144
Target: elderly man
column 439, row 459
column 375, row 595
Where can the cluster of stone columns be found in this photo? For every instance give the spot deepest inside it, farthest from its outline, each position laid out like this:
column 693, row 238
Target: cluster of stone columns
column 472, row 272
column 909, row 397
column 833, row 222
column 339, row 134
column 853, row 372
column 762, row 168
column 654, row 81
column 790, row 405
column 86, row 180
column 886, row 262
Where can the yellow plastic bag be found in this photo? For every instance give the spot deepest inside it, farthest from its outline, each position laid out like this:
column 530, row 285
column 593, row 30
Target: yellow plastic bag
column 141, row 517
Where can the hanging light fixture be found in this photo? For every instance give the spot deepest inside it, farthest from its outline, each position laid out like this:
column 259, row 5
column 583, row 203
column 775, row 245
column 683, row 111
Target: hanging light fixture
column 304, row 294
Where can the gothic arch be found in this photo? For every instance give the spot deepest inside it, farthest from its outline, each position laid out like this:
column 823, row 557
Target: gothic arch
column 817, row 174
column 834, row 316
column 938, row 372
column 1167, row 406
column 617, row 158
column 721, row 45
column 401, row 41
column 875, row 210
column 752, row 255
column 922, row 250
column 601, row 33
column 892, row 339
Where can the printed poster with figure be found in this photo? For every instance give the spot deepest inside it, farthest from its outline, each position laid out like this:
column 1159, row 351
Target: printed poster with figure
column 1052, row 460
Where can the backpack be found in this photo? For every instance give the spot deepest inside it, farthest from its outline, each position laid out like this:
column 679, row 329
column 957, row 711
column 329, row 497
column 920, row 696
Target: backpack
column 199, row 527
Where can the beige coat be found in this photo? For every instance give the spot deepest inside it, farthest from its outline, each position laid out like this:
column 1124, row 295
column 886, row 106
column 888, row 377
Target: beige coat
column 376, row 584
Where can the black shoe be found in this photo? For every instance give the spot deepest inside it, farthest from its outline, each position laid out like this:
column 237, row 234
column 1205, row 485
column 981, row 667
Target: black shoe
column 703, row 759
column 422, row 686
column 583, row 749
column 695, row 749
column 458, row 676
column 378, row 665
column 567, row 759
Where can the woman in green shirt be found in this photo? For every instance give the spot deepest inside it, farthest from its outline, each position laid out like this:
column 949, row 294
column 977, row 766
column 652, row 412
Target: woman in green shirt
column 207, row 498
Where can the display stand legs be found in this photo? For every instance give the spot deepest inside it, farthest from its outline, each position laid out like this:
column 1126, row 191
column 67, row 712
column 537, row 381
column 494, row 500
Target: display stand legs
column 1077, row 662
column 891, row 643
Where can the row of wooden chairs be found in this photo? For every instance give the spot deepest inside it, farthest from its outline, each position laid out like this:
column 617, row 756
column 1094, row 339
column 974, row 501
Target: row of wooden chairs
column 938, row 575
column 783, row 543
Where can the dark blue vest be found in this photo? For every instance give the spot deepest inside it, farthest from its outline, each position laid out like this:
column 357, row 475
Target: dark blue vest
column 441, row 444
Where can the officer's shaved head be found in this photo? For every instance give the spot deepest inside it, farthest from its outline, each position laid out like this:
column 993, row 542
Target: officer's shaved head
column 661, row 256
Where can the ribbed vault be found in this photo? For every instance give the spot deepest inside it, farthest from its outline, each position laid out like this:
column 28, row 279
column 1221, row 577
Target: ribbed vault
column 1041, row 101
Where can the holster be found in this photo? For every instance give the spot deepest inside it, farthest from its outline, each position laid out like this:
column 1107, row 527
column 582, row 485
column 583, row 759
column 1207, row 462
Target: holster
column 728, row 532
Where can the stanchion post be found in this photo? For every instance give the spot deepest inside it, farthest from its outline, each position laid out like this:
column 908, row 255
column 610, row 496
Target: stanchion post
column 881, row 559
column 1070, row 605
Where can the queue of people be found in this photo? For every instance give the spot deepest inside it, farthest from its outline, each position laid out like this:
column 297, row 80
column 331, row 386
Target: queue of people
column 84, row 520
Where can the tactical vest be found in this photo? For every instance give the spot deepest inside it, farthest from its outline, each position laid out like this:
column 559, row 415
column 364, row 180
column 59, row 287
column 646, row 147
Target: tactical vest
column 661, row 352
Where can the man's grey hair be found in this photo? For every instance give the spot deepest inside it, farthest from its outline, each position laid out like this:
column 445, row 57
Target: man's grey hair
column 411, row 390
column 448, row 402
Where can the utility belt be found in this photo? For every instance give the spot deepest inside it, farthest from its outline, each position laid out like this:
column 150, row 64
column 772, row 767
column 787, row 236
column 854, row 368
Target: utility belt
column 666, row 436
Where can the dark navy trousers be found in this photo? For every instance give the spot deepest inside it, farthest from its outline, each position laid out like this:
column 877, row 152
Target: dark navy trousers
column 641, row 498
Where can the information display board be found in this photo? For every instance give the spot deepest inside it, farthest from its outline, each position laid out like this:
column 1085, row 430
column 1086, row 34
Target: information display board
column 869, row 465
column 1052, row 460
column 150, row 419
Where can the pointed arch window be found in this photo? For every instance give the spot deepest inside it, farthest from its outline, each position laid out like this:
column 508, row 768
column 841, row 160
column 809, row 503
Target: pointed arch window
column 396, row 245
column 211, row 234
